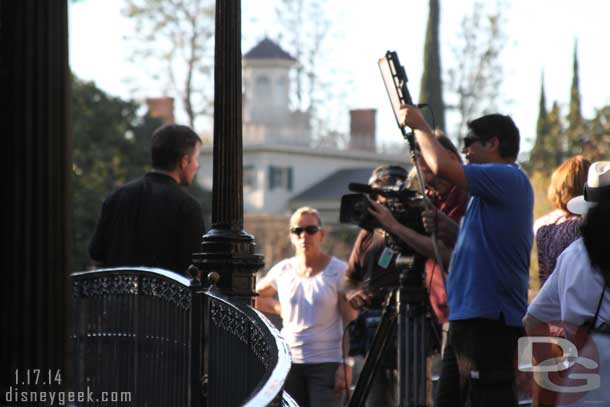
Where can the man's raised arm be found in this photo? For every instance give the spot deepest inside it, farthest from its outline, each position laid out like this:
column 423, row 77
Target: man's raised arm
column 438, row 158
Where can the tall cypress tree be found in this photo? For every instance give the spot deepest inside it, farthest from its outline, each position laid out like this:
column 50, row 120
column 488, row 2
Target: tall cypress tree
column 554, row 141
column 574, row 115
column 540, row 156
column 431, row 86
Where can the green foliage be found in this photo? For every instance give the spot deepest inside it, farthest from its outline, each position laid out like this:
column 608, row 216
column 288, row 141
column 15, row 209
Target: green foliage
column 553, row 147
column 575, row 115
column 554, row 141
column 558, row 138
column 431, row 86
column 541, row 124
column 100, row 125
column 595, row 142
column 589, row 137
column 576, row 127
column 550, row 148
column 539, row 157
column 111, row 147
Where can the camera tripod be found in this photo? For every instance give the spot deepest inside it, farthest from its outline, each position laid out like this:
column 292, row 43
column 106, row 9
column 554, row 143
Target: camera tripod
column 406, row 310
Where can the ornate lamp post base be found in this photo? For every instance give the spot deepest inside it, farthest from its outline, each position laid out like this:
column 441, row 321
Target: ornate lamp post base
column 231, row 255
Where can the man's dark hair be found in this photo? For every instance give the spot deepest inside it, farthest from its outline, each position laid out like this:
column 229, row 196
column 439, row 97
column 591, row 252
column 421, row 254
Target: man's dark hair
column 170, row 143
column 500, row 126
column 595, row 231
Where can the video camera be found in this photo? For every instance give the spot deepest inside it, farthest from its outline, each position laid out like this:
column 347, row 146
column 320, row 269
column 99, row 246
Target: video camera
column 406, row 206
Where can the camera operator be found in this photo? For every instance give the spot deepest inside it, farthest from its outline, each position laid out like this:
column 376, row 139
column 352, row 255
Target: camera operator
column 450, row 204
column 361, row 283
column 367, row 279
column 488, row 282
column 367, row 270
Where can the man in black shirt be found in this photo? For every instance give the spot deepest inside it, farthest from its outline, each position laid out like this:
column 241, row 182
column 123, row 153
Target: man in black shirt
column 152, row 221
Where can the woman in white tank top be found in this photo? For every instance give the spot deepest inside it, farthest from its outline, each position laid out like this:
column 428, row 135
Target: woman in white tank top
column 313, row 312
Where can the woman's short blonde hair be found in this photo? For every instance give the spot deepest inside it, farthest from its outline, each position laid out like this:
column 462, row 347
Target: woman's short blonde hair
column 304, row 210
column 567, row 181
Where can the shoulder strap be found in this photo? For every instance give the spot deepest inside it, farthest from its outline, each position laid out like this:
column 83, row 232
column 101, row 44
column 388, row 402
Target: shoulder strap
column 599, row 305
column 369, row 259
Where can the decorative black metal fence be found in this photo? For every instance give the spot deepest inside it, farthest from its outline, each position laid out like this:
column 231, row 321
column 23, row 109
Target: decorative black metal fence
column 243, row 343
column 149, row 337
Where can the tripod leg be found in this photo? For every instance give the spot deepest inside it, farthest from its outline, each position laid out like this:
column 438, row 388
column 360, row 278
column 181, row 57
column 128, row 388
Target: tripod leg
column 420, row 352
column 419, row 370
column 423, row 357
column 415, row 371
column 412, row 352
column 421, row 364
column 412, row 331
column 385, row 332
column 404, row 353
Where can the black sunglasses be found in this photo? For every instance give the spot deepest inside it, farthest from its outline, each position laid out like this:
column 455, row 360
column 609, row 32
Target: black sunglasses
column 472, row 138
column 310, row 230
column 469, row 140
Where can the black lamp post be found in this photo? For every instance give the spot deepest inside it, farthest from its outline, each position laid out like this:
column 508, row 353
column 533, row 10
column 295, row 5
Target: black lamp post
column 227, row 249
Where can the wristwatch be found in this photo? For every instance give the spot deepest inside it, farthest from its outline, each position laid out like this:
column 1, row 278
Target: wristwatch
column 349, row 362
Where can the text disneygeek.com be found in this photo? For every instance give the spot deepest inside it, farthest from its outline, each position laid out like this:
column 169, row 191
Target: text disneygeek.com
column 63, row 398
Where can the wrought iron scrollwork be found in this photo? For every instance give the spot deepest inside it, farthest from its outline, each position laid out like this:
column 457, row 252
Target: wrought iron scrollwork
column 172, row 293
column 239, row 325
column 107, row 285
column 117, row 284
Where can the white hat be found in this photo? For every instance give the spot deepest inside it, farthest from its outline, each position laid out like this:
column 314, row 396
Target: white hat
column 597, row 189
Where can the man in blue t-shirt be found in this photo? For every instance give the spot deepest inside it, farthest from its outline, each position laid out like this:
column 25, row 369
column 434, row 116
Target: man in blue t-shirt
column 488, row 277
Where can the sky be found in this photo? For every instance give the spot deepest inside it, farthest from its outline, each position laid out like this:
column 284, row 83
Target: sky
column 541, row 35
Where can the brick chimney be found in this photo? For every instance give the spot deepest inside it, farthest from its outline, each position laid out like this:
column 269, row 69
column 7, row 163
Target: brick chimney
column 161, row 108
column 362, row 129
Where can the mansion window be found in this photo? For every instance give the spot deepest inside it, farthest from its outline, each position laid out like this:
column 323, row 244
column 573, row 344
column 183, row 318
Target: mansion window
column 250, row 176
column 263, row 89
column 280, row 177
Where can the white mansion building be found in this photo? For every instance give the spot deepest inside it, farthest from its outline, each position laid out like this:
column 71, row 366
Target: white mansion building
column 281, row 170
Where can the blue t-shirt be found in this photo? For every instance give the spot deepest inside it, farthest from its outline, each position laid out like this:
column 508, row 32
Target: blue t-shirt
column 490, row 266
